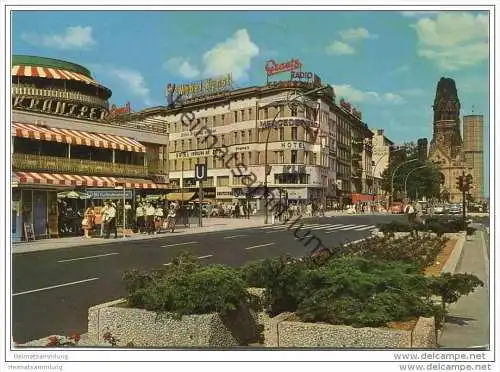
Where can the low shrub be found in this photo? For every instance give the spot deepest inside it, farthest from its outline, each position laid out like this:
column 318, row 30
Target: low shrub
column 186, row 287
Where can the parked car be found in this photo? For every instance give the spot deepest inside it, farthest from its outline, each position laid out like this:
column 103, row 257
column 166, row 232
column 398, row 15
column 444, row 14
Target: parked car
column 396, row 208
column 455, row 209
column 439, row 209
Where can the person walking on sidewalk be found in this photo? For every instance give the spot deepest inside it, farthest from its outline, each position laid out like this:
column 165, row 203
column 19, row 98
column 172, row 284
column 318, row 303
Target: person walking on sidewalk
column 150, row 215
column 158, row 218
column 102, row 219
column 88, row 221
column 139, row 218
column 110, row 220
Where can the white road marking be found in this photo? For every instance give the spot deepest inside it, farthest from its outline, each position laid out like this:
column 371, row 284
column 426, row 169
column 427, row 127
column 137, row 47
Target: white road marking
column 258, row 246
column 335, row 229
column 207, row 256
column 233, row 236
column 88, row 257
column 349, row 227
column 275, row 231
column 365, row 228
column 54, row 286
column 324, row 227
column 167, row 264
column 174, row 245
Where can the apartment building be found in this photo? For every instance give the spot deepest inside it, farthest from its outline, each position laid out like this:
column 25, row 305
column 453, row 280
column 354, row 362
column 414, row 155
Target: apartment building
column 381, row 157
column 309, row 147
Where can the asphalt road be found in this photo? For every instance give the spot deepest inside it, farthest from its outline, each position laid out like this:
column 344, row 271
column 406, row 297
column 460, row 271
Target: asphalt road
column 52, row 290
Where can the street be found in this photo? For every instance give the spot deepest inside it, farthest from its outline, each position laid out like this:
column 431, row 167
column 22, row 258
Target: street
column 52, row 290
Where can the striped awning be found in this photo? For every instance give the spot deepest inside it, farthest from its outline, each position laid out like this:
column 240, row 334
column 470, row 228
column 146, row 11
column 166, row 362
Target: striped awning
column 51, row 73
column 68, row 180
column 76, row 137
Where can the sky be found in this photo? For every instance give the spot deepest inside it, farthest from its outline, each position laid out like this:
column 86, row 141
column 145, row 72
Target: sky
column 386, row 63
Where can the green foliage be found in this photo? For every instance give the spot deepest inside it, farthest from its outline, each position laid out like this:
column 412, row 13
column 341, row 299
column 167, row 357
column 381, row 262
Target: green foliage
column 435, row 225
column 450, row 287
column 186, row 287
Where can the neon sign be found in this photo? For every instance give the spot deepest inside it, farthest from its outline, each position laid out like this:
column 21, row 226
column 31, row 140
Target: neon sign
column 301, row 75
column 273, row 68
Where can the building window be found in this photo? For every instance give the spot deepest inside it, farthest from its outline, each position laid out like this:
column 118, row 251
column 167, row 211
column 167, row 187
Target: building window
column 236, row 116
column 222, row 138
column 250, row 139
column 242, row 156
column 190, row 143
column 294, row 156
column 235, row 137
column 281, row 157
column 222, row 119
column 294, row 111
column 266, row 113
column 249, row 113
column 282, row 134
column 306, row 157
column 242, row 115
column 182, row 145
column 282, row 111
column 175, row 164
column 250, row 158
column 243, row 139
column 294, row 133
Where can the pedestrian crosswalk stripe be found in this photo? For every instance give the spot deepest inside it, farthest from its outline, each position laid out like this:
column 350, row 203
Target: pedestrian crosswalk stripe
column 349, row 227
column 365, row 228
column 327, row 227
column 336, row 227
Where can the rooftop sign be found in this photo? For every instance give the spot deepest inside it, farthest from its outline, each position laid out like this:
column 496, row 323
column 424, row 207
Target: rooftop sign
column 198, row 89
column 273, row 68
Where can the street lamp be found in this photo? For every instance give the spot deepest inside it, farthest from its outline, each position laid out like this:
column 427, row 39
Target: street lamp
column 410, row 172
column 296, row 100
column 392, row 178
column 122, row 187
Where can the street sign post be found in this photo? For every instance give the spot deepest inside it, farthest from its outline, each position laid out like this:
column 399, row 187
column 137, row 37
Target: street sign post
column 200, row 174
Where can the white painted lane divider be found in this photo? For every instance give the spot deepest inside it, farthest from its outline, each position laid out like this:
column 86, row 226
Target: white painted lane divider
column 233, row 236
column 88, row 257
column 176, row 244
column 258, row 246
column 54, row 286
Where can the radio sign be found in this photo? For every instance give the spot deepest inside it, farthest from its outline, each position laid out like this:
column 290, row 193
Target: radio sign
column 273, row 68
column 301, row 75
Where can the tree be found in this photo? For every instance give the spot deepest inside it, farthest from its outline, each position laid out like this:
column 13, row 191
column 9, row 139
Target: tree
column 421, row 182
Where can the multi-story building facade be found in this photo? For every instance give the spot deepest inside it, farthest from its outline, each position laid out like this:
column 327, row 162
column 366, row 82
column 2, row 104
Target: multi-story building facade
column 473, row 126
column 382, row 150
column 64, row 138
column 309, row 147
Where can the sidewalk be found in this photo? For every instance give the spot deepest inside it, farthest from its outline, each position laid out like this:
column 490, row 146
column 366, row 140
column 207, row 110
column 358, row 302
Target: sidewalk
column 468, row 323
column 211, row 224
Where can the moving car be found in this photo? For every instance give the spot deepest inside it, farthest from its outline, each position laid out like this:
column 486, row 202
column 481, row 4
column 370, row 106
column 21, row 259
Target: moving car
column 455, row 209
column 396, row 208
column 439, row 209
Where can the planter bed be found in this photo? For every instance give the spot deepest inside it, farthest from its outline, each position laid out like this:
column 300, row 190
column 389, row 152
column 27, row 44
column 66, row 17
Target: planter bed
column 145, row 328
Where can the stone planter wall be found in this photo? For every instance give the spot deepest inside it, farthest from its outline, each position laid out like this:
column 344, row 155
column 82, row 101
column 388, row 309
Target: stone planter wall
column 147, row 329
column 284, row 333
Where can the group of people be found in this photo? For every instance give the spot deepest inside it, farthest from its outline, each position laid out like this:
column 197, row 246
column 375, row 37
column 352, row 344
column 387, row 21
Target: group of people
column 150, row 217
column 105, row 218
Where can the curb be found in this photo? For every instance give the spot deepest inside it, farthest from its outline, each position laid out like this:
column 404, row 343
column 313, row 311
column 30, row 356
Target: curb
column 456, row 256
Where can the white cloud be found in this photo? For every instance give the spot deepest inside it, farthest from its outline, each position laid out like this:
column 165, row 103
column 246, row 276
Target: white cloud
column 355, row 95
column 77, row 37
column 181, row 66
column 354, row 34
column 347, row 37
column 453, row 40
column 339, row 47
column 131, row 80
column 234, row 55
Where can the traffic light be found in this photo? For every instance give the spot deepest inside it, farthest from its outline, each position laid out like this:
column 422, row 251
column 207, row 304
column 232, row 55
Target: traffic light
column 460, row 183
column 464, row 183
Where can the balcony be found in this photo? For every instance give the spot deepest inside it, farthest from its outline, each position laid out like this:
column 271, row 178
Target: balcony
column 26, row 162
column 58, row 94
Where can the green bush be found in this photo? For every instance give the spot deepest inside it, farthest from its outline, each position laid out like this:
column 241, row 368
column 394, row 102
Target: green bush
column 185, row 287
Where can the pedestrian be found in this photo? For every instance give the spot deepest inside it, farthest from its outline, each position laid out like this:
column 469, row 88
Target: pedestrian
column 410, row 213
column 102, row 219
column 150, row 213
column 88, row 221
column 139, row 218
column 110, row 220
column 158, row 218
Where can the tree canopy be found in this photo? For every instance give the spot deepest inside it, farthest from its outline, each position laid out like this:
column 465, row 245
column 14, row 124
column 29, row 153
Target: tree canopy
column 422, row 176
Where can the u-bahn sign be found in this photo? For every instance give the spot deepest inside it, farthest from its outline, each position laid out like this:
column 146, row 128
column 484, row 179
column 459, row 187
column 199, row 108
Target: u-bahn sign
column 200, row 172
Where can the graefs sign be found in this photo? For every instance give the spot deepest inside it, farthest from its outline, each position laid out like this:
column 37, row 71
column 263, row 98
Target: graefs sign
column 273, row 68
column 52, row 106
